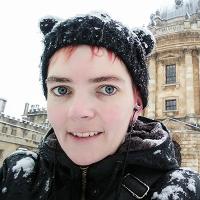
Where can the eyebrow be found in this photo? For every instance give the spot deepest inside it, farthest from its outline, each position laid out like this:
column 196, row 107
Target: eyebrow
column 92, row 80
column 57, row 79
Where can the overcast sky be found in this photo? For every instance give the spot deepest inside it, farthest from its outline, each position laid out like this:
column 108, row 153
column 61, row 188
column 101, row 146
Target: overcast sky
column 20, row 40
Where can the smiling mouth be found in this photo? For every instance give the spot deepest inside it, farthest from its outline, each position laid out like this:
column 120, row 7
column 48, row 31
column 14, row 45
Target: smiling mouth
column 84, row 134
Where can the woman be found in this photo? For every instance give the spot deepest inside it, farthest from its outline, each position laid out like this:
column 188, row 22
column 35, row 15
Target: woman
column 95, row 80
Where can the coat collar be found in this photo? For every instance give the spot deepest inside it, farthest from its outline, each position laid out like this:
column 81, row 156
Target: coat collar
column 150, row 146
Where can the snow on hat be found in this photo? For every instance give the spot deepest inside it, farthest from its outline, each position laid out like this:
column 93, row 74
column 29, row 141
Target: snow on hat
column 99, row 29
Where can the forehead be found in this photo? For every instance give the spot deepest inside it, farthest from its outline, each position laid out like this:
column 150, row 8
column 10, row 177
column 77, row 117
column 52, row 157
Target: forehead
column 84, row 61
column 67, row 52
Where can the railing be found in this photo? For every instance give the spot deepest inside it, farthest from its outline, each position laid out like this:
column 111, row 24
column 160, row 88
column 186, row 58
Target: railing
column 196, row 127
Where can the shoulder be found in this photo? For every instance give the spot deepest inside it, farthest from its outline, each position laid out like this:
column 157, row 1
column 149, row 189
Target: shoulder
column 17, row 170
column 22, row 152
column 179, row 184
column 21, row 163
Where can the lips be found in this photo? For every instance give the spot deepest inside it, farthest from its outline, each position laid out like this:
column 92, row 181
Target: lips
column 85, row 134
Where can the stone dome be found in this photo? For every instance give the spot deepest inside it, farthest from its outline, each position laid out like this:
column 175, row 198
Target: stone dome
column 179, row 8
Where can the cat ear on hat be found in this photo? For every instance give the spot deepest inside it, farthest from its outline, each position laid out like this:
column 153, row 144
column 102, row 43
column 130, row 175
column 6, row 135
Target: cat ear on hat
column 47, row 24
column 146, row 38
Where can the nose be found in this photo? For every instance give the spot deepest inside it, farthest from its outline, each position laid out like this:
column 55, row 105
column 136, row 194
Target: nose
column 81, row 107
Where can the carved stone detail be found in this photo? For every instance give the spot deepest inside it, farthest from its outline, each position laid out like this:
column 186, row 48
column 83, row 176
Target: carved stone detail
column 170, row 58
column 187, row 50
column 178, row 3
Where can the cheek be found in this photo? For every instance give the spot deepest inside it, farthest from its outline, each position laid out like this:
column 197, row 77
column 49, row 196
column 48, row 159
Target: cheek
column 55, row 115
column 117, row 114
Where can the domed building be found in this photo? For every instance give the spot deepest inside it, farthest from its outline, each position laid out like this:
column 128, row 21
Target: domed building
column 175, row 75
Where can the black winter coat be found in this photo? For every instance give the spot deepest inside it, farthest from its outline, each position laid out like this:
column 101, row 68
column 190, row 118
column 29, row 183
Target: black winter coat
column 150, row 162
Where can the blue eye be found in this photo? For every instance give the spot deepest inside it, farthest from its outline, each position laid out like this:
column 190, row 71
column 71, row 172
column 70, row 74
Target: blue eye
column 61, row 91
column 108, row 89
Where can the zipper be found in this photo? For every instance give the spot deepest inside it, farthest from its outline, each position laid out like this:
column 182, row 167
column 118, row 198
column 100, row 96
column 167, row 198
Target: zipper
column 84, row 181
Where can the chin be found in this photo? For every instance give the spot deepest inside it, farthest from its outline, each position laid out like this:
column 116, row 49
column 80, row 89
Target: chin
column 85, row 161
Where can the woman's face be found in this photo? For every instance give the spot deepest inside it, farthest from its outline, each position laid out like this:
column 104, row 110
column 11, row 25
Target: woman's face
column 90, row 102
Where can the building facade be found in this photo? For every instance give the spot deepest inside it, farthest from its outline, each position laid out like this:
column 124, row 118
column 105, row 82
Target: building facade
column 175, row 75
column 26, row 132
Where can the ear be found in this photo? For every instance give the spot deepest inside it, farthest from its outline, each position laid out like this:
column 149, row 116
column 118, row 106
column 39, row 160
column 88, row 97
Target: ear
column 146, row 38
column 137, row 105
column 137, row 99
column 47, row 24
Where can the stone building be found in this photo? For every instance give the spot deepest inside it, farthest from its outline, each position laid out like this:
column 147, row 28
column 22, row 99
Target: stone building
column 175, row 75
column 21, row 133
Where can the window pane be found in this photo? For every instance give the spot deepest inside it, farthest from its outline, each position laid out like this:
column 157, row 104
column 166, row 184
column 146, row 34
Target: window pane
column 170, row 74
column 33, row 137
column 4, row 129
column 1, row 153
column 14, row 132
column 170, row 104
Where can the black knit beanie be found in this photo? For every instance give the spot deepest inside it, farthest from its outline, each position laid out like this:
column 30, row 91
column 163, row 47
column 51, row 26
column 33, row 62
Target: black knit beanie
column 99, row 29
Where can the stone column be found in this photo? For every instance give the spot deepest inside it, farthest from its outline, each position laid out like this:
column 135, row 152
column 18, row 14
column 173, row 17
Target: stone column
column 199, row 161
column 151, row 108
column 199, row 65
column 199, row 88
column 189, row 82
